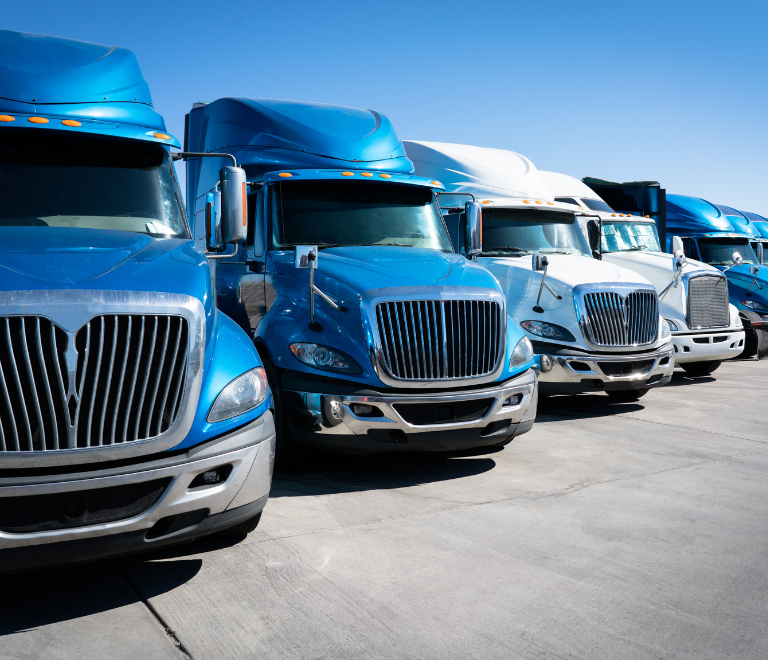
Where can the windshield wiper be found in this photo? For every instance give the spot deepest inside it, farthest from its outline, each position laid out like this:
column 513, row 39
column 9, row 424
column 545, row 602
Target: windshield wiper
column 553, row 252
column 390, row 244
column 505, row 248
column 636, row 248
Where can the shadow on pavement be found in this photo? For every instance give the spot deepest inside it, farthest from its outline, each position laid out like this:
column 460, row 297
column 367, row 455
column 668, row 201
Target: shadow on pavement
column 682, row 378
column 326, row 473
column 552, row 408
column 33, row 600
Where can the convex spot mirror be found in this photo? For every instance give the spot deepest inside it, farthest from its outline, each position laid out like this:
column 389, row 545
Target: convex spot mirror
column 737, row 259
column 474, row 227
column 234, row 206
column 301, row 255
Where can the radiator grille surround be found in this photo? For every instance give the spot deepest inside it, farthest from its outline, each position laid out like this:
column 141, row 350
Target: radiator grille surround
column 619, row 318
column 436, row 340
column 707, row 302
column 116, row 380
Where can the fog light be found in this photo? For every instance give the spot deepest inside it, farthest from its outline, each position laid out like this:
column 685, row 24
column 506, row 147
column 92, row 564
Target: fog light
column 212, row 477
column 361, row 409
column 513, row 400
column 546, row 363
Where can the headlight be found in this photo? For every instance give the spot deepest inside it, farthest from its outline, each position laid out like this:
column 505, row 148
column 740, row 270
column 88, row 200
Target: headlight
column 665, row 329
column 523, row 353
column 326, row 358
column 241, row 395
column 753, row 304
column 548, row 330
column 672, row 326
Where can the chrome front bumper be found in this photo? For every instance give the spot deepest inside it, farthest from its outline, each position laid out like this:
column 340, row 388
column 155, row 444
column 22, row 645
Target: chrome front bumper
column 591, row 373
column 728, row 343
column 330, row 421
column 179, row 513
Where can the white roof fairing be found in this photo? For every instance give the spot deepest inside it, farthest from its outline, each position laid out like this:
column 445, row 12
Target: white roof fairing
column 479, row 170
column 562, row 185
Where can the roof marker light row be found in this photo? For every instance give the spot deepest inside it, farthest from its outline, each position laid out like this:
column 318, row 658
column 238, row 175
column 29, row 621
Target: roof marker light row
column 67, row 122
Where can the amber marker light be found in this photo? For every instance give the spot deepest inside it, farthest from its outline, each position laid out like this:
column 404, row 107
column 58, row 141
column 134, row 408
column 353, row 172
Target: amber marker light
column 436, row 183
column 38, row 120
column 551, row 203
column 366, row 174
column 347, row 174
column 613, row 215
column 162, row 136
column 538, row 202
column 385, row 176
column 70, row 122
column 7, row 118
column 525, row 201
column 285, row 174
column 485, row 201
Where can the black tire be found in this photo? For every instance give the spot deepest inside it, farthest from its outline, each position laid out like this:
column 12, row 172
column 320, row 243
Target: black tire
column 750, row 343
column 243, row 528
column 288, row 452
column 626, row 396
column 703, row 368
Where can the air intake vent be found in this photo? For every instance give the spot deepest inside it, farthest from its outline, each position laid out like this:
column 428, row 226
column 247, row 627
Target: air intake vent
column 613, row 320
column 707, row 302
column 438, row 340
column 120, row 381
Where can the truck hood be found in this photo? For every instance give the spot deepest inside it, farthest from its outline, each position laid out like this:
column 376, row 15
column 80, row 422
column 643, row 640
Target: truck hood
column 657, row 267
column 63, row 258
column 347, row 272
column 564, row 271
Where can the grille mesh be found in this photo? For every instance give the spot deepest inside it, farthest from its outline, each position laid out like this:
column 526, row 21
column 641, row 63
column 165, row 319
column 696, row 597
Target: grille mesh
column 123, row 383
column 614, row 320
column 438, row 339
column 707, row 302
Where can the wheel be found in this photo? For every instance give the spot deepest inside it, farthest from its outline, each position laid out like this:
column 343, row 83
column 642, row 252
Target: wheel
column 626, row 396
column 243, row 528
column 703, row 368
column 288, row 452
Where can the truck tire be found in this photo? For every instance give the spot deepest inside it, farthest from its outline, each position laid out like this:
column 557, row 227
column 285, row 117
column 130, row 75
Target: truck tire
column 626, row 396
column 288, row 452
column 703, row 368
column 243, row 528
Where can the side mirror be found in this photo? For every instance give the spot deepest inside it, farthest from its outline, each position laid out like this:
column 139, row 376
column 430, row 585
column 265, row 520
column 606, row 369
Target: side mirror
column 680, row 259
column 213, row 240
column 301, row 258
column 593, row 235
column 474, row 228
column 737, row 259
column 677, row 244
column 760, row 253
column 234, row 207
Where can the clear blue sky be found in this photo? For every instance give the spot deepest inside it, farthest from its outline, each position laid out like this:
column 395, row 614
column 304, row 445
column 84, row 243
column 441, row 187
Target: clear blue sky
column 670, row 91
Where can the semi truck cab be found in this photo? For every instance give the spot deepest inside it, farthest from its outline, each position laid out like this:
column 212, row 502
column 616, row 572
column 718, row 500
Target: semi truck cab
column 693, row 296
column 133, row 413
column 375, row 335
column 594, row 326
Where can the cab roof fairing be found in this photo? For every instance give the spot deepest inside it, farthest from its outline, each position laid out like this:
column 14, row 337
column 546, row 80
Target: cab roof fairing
column 100, row 86
column 694, row 216
column 482, row 171
column 336, row 175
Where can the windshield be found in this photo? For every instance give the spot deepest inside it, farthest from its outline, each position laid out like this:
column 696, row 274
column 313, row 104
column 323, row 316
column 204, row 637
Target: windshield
column 597, row 205
column 630, row 236
column 514, row 232
column 719, row 251
column 343, row 213
column 85, row 182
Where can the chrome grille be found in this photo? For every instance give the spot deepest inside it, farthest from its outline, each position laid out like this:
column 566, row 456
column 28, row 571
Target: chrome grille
column 440, row 339
column 117, row 379
column 707, row 302
column 615, row 320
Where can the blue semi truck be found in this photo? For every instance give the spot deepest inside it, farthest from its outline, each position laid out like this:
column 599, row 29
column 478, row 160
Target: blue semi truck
column 133, row 413
column 375, row 336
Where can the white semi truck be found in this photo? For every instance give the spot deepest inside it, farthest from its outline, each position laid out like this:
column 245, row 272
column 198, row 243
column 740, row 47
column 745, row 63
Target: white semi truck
column 693, row 296
column 594, row 325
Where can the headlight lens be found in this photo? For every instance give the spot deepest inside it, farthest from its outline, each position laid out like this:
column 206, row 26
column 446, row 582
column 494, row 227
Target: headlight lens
column 665, row 328
column 753, row 304
column 523, row 353
column 325, row 358
column 548, row 330
column 241, row 395
column 672, row 326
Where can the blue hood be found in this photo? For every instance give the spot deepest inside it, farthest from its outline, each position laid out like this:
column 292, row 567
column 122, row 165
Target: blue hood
column 63, row 258
column 347, row 272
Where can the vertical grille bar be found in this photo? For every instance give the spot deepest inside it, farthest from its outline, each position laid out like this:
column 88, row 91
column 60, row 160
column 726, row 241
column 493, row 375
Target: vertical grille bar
column 156, row 385
column 119, row 395
column 19, row 391
column 60, row 384
column 46, row 384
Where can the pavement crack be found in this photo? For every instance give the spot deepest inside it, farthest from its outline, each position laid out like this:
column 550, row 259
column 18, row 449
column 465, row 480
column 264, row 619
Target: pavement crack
column 557, row 491
column 688, row 428
column 170, row 633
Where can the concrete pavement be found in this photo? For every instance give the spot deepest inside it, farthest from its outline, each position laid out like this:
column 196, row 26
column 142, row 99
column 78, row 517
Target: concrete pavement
column 609, row 531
